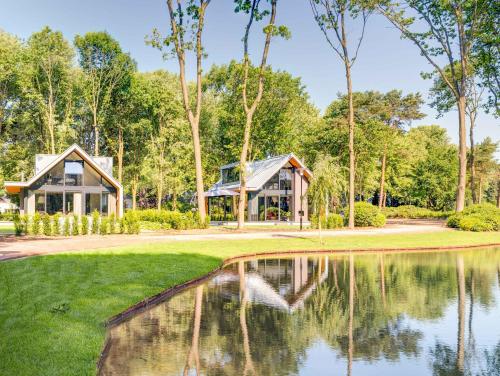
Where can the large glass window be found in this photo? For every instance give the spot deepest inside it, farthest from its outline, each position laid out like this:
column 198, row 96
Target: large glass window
column 73, row 173
column 104, row 203
column 40, row 201
column 92, row 202
column 285, row 208
column 91, row 177
column 54, row 202
column 273, row 183
column 272, row 209
column 230, row 175
column 285, row 180
column 69, row 205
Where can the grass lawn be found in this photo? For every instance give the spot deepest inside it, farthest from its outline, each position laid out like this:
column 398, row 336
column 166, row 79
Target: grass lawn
column 53, row 307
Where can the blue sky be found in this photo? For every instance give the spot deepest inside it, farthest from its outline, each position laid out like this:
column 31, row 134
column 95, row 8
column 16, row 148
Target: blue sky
column 385, row 61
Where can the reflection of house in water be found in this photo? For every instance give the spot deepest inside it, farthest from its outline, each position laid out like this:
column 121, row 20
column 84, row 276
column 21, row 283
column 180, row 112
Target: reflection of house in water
column 284, row 284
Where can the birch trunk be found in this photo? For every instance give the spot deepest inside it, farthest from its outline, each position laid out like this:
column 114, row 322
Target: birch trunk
column 462, row 156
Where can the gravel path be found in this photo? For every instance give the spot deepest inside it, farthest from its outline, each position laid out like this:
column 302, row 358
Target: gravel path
column 14, row 247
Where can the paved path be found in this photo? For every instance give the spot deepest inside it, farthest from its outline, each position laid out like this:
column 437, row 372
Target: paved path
column 14, row 247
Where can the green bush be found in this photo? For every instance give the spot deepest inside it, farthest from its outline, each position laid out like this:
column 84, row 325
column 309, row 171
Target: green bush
column 66, row 227
column 75, row 228
column 331, row 221
column 46, row 225
column 480, row 217
column 85, row 225
column 25, row 220
column 121, row 226
column 412, row 212
column 56, row 224
column 132, row 222
column 168, row 219
column 18, row 225
column 366, row 214
column 112, row 223
column 104, row 226
column 35, row 224
column 95, row 222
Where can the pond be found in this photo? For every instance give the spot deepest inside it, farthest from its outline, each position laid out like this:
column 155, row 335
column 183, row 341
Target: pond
column 338, row 314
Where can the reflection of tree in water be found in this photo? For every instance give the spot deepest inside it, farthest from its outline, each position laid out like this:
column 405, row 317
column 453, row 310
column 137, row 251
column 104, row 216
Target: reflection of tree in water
column 372, row 296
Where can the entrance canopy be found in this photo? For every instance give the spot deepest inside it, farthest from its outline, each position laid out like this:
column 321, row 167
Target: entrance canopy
column 217, row 192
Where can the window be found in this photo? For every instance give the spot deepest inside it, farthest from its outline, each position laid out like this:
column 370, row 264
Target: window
column 92, row 202
column 54, row 202
column 73, row 173
column 104, row 203
column 273, row 183
column 230, row 175
column 285, row 180
column 69, row 202
column 40, row 201
column 91, row 177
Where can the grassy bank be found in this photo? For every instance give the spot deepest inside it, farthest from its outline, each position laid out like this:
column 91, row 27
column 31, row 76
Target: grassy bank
column 53, row 307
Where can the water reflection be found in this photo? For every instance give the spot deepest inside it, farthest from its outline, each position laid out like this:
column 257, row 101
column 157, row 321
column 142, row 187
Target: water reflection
column 390, row 314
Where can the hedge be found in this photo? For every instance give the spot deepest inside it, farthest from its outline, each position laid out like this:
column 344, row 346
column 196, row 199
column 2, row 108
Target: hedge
column 413, row 212
column 168, row 219
column 479, row 217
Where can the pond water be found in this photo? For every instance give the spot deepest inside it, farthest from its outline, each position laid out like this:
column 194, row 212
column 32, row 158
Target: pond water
column 354, row 314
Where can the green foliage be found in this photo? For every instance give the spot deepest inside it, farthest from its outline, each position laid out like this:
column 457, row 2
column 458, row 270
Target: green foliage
column 366, row 214
column 413, row 212
column 56, row 224
column 112, row 223
column 481, row 217
column 85, row 225
column 66, row 226
column 331, row 221
column 132, row 222
column 25, row 219
column 35, row 224
column 104, row 226
column 46, row 225
column 18, row 225
column 95, row 222
column 121, row 226
column 75, row 226
column 169, row 219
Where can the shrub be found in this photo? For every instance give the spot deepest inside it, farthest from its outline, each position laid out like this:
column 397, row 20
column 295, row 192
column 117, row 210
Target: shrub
column 366, row 214
column 25, row 220
column 56, row 224
column 331, row 221
column 75, row 229
column 103, row 227
column 66, row 227
column 85, row 225
column 46, row 225
column 95, row 222
column 132, row 222
column 18, row 225
column 35, row 225
column 121, row 225
column 412, row 212
column 112, row 223
column 169, row 219
column 481, row 217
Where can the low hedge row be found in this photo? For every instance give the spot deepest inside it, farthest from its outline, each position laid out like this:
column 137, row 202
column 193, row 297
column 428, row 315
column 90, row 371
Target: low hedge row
column 413, row 212
column 480, row 217
column 365, row 215
column 169, row 219
column 73, row 225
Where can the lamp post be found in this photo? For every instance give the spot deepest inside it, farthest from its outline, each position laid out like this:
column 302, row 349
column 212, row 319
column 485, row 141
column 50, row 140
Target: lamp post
column 301, row 212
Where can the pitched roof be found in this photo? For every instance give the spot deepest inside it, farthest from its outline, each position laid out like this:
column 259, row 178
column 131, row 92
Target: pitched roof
column 16, row 185
column 259, row 172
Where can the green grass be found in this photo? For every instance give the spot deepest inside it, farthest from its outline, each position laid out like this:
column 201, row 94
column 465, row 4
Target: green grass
column 53, row 307
column 6, row 229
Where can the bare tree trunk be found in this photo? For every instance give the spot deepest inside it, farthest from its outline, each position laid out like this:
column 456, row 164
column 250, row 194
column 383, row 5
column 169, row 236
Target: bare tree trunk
column 96, row 133
column 382, row 179
column 462, row 156
column 120, row 154
column 243, row 171
column 461, row 313
column 472, row 159
column 480, row 191
column 174, row 200
column 133, row 188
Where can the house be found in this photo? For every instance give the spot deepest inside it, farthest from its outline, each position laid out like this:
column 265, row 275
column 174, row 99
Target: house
column 70, row 183
column 276, row 191
column 7, row 206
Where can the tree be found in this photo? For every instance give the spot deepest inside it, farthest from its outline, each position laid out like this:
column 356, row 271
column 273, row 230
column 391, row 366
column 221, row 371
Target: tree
column 182, row 42
column 331, row 15
column 486, row 166
column 251, row 7
column 106, row 71
column 48, row 88
column 327, row 182
column 450, row 32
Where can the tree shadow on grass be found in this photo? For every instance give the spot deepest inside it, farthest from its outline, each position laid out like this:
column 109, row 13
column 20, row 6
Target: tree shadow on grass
column 54, row 307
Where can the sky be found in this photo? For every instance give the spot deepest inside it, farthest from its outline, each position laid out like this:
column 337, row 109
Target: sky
column 385, row 61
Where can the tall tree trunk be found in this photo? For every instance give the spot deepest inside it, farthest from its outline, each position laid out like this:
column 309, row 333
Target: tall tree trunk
column 120, row 154
column 462, row 156
column 382, row 179
column 174, row 200
column 472, row 159
column 498, row 194
column 351, row 145
column 133, row 189
column 96, row 133
column 480, row 191
column 461, row 313
column 243, row 170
